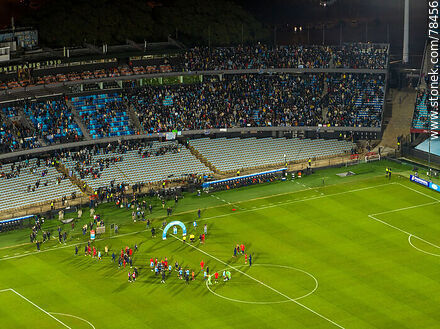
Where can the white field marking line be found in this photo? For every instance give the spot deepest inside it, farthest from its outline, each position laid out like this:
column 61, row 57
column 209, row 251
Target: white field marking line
column 421, row 250
column 68, row 246
column 266, row 303
column 262, row 283
column 295, row 201
column 9, row 289
column 406, row 208
column 403, row 231
column 74, row 316
column 236, row 203
column 203, row 219
column 427, row 195
column 59, row 321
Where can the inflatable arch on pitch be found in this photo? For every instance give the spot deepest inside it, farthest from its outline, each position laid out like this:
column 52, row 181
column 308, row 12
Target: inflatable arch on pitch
column 176, row 222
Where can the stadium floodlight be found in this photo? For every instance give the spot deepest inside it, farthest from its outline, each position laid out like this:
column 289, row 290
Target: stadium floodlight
column 326, row 3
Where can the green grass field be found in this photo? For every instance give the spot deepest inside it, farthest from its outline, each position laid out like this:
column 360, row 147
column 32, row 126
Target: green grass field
column 355, row 252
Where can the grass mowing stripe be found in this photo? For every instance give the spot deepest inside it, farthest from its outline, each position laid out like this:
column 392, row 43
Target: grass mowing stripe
column 203, row 219
column 18, row 294
column 264, row 284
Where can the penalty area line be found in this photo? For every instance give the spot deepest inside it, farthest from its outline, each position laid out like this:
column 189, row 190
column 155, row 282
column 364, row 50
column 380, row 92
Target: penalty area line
column 32, row 303
column 403, row 231
column 263, row 284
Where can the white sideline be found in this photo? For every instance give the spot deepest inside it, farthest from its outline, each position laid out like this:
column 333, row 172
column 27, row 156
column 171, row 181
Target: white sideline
column 412, row 189
column 203, row 219
column 262, row 283
column 32, row 303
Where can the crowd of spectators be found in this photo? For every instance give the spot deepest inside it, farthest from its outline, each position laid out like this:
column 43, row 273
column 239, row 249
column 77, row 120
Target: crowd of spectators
column 104, row 115
column 112, row 72
column 360, row 56
column 355, row 100
column 14, row 134
column 259, row 56
column 356, row 56
column 53, row 121
column 421, row 119
column 262, row 101
column 236, row 101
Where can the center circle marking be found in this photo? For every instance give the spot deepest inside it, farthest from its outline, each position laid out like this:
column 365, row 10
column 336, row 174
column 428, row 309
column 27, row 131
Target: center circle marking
column 273, row 302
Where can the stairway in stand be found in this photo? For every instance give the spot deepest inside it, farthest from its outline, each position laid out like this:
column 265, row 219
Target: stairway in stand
column 79, row 121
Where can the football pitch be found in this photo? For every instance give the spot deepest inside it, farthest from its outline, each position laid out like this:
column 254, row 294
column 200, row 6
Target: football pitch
column 360, row 251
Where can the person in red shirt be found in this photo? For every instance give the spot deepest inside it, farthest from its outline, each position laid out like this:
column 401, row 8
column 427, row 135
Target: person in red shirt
column 122, row 253
column 203, row 238
column 124, row 262
column 202, row 265
column 130, row 252
column 245, row 259
column 216, row 277
column 242, row 248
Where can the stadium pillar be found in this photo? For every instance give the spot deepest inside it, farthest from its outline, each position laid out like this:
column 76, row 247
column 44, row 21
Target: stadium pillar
column 405, row 58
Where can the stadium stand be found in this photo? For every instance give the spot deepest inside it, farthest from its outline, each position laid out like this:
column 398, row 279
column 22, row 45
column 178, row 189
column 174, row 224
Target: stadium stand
column 53, row 120
column 141, row 162
column 32, row 182
column 237, row 154
column 347, row 56
column 104, row 114
column 355, row 100
column 421, row 113
column 262, row 101
column 356, row 56
column 14, row 135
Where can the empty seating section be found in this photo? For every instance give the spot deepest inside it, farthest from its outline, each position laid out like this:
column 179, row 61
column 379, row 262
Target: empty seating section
column 103, row 114
column 32, row 185
column 97, row 173
column 355, row 100
column 232, row 154
column 421, row 116
column 168, row 166
column 52, row 119
column 161, row 161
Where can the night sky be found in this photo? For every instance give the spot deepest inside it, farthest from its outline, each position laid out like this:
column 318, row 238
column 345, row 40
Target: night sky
column 357, row 17
column 361, row 20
